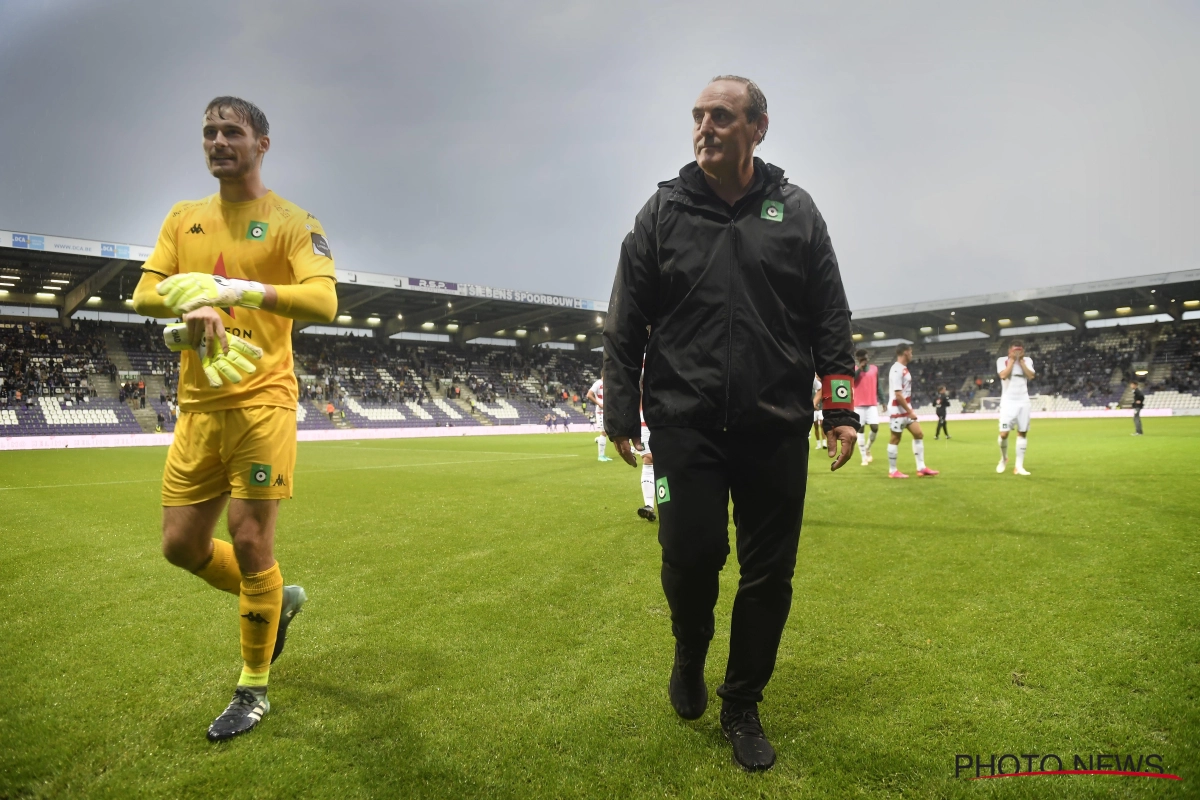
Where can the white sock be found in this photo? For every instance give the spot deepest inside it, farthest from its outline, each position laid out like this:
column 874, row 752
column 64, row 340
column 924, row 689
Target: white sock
column 893, row 454
column 600, row 442
column 1003, row 448
column 871, row 441
column 862, row 446
column 919, row 452
column 1022, row 443
column 647, row 484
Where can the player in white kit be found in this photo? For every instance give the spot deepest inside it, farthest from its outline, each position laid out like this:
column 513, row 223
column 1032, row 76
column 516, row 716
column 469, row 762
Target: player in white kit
column 818, row 417
column 596, row 395
column 1015, row 371
column 647, row 511
column 901, row 415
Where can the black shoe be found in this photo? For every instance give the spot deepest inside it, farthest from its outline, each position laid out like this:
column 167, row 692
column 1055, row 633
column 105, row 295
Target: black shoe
column 741, row 727
column 241, row 716
column 689, row 695
column 293, row 600
column 647, row 513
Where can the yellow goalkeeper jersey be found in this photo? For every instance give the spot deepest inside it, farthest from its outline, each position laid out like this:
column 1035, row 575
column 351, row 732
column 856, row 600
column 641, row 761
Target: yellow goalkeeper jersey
column 268, row 240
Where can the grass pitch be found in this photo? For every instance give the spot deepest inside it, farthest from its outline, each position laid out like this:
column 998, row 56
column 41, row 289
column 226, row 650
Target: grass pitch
column 486, row 621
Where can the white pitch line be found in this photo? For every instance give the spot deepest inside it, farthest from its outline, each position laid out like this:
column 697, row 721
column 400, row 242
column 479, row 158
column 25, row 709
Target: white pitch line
column 302, row 472
column 429, row 450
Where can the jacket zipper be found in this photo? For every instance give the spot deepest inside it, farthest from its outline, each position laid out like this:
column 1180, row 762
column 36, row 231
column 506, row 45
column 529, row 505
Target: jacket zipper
column 729, row 328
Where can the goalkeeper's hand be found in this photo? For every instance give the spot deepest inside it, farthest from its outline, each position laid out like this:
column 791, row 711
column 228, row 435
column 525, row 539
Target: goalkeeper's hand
column 231, row 364
column 222, row 363
column 191, row 290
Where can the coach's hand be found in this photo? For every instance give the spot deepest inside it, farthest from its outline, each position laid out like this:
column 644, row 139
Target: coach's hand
column 189, row 291
column 849, row 439
column 626, row 448
column 238, row 358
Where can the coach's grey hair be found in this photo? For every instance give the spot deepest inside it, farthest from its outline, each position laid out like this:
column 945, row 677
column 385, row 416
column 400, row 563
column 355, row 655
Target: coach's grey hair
column 756, row 105
column 243, row 108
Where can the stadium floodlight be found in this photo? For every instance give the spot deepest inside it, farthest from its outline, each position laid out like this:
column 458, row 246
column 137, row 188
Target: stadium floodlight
column 520, row 332
column 449, row 304
column 343, row 318
column 1091, row 313
column 581, row 337
column 52, row 288
column 1004, row 322
column 129, row 301
column 7, row 284
column 1124, row 310
column 9, row 278
column 1141, row 372
column 952, row 327
column 1191, row 303
column 1152, row 307
column 926, row 329
column 94, row 299
column 1032, row 319
column 599, row 320
column 880, row 334
column 49, row 296
column 399, row 316
column 3, row 292
column 372, row 320
column 857, row 337
column 452, row 327
column 58, row 280
column 428, row 326
column 545, row 329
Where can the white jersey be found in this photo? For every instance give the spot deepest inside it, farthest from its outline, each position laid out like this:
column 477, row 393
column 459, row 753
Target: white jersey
column 899, row 380
column 598, row 390
column 1016, row 385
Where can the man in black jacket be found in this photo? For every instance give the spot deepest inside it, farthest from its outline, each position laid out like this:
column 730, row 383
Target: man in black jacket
column 941, row 405
column 1139, row 402
column 729, row 286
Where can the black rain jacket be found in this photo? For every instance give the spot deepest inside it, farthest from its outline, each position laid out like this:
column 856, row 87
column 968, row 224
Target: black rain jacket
column 735, row 308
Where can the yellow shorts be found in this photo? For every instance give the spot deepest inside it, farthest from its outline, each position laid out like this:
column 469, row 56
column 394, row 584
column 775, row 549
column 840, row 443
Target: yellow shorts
column 249, row 453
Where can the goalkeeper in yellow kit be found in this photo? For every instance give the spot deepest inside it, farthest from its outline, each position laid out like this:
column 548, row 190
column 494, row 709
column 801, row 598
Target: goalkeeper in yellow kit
column 238, row 266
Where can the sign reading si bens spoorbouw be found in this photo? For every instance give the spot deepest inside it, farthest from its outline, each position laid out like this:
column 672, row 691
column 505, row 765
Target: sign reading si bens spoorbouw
column 467, row 290
column 78, row 247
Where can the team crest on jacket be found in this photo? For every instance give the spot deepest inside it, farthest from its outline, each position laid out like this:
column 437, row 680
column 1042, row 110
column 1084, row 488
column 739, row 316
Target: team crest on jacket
column 772, row 210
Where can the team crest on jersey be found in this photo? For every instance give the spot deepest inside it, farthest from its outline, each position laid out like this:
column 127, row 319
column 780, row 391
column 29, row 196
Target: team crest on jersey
column 260, row 474
column 257, row 231
column 662, row 490
column 772, row 210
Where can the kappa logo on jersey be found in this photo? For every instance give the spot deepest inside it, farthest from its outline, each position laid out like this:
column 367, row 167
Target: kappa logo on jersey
column 196, row 229
column 257, row 231
column 260, row 475
column 320, row 245
column 772, row 210
column 662, row 490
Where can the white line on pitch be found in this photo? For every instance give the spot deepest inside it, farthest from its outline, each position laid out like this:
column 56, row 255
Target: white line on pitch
column 428, row 450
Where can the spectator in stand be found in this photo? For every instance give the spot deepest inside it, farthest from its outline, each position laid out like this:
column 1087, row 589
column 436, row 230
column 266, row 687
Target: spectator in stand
column 329, row 409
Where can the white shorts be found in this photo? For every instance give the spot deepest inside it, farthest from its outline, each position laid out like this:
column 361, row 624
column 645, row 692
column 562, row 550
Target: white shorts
column 898, row 424
column 867, row 415
column 818, row 415
column 1014, row 415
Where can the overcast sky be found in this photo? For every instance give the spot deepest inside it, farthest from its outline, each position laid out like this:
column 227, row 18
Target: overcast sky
column 953, row 148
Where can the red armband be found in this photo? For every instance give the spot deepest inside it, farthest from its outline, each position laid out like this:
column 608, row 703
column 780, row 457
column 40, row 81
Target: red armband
column 837, row 392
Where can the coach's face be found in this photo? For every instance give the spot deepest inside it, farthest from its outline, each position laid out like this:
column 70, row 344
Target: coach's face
column 722, row 137
column 231, row 147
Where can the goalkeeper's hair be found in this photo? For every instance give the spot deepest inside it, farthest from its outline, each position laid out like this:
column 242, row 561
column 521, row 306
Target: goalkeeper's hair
column 250, row 113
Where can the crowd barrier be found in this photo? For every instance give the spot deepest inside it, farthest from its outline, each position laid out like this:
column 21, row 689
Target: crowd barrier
column 344, row 434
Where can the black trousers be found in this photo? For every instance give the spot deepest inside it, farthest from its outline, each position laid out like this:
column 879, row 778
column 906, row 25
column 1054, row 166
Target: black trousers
column 766, row 475
column 941, row 426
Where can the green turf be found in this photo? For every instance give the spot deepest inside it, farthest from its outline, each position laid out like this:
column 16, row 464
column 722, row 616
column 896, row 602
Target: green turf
column 486, row 621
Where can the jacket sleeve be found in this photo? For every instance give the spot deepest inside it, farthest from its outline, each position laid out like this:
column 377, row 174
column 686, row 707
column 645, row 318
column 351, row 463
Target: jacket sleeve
column 631, row 308
column 828, row 313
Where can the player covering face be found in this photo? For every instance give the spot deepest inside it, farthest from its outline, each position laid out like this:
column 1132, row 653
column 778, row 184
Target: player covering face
column 1015, row 371
column 237, row 267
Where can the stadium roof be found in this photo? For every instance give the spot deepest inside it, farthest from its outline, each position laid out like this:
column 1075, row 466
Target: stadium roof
column 65, row 276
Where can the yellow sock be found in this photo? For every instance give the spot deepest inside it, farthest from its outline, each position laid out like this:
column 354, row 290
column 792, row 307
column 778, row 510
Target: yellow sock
column 222, row 570
column 259, row 605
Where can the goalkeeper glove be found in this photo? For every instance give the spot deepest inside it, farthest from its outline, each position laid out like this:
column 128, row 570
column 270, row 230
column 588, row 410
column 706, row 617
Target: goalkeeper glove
column 241, row 355
column 191, row 290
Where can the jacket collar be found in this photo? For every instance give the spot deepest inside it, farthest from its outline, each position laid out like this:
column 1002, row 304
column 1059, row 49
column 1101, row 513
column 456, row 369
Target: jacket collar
column 692, row 189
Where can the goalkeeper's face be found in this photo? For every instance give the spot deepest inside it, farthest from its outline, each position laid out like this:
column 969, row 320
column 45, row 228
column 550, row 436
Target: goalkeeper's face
column 231, row 147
